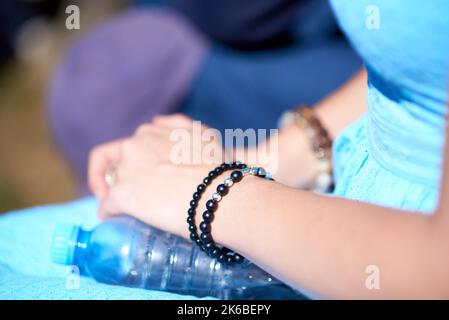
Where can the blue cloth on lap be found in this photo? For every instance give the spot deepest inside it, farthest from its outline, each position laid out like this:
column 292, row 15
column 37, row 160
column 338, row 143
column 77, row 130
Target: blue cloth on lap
column 26, row 271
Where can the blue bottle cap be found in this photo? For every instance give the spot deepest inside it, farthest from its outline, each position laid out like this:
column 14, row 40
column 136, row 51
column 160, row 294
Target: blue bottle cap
column 64, row 244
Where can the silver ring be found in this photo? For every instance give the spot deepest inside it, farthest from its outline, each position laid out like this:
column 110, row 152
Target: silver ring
column 109, row 176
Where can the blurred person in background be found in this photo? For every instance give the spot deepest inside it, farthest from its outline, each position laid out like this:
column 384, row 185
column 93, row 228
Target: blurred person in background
column 210, row 60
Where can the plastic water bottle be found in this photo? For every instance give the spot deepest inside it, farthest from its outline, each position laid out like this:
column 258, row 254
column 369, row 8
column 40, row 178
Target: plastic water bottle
column 125, row 251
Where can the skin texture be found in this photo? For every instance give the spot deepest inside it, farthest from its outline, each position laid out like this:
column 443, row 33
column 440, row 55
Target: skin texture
column 315, row 242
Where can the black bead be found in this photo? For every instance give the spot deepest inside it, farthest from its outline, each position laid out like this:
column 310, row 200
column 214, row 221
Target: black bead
column 204, row 226
column 238, row 258
column 206, row 181
column 218, row 170
column 208, row 216
column 212, row 174
column 211, row 205
column 199, row 242
column 206, row 237
column 193, row 236
column 201, row 188
column 224, row 166
column 191, row 212
column 221, row 258
column 215, row 253
column 222, row 189
column 209, row 247
column 189, row 220
column 236, row 175
column 229, row 260
column 192, row 228
column 193, row 204
column 196, row 196
column 238, row 165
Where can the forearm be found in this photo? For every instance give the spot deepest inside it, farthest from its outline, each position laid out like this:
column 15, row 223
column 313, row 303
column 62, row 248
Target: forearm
column 325, row 244
column 345, row 105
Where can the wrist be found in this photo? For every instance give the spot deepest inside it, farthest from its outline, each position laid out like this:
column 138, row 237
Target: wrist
column 299, row 163
column 205, row 239
column 319, row 157
column 235, row 212
column 227, row 228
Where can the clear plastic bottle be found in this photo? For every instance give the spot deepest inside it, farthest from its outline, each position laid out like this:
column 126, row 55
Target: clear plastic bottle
column 125, row 251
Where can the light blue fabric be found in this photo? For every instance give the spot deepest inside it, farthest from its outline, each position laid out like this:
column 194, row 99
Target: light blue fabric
column 26, row 271
column 393, row 155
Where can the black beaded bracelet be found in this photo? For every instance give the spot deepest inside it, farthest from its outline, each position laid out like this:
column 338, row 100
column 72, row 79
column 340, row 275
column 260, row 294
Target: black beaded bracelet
column 223, row 254
column 197, row 196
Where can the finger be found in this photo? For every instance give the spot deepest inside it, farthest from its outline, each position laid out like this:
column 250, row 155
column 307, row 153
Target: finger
column 173, row 120
column 151, row 128
column 178, row 120
column 110, row 204
column 100, row 159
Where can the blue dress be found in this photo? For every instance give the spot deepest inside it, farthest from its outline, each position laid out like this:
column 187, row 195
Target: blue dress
column 392, row 155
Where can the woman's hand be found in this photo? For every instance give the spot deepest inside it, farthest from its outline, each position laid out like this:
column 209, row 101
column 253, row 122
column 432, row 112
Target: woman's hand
column 147, row 184
column 150, row 185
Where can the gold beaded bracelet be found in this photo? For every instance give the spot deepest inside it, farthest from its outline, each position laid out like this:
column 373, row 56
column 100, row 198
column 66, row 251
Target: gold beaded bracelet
column 320, row 142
